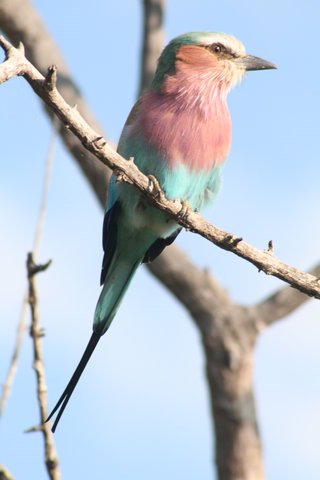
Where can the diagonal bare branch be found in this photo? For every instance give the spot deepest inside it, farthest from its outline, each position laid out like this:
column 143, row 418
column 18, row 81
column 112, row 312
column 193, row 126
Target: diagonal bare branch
column 20, row 22
column 127, row 171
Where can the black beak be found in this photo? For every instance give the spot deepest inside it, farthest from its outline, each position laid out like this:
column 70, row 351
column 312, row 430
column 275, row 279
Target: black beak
column 248, row 62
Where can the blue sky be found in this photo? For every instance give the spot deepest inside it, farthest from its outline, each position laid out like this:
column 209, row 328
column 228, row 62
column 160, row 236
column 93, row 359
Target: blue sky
column 141, row 409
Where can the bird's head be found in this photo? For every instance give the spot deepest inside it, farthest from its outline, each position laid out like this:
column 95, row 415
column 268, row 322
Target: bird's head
column 216, row 58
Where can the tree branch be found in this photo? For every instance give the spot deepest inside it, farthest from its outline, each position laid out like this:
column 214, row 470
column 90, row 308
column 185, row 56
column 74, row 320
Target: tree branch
column 51, row 459
column 20, row 22
column 127, row 171
column 280, row 304
column 203, row 297
column 153, row 34
column 7, row 385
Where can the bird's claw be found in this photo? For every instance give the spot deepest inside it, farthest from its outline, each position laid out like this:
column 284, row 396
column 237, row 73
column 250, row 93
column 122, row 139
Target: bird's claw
column 185, row 210
column 154, row 187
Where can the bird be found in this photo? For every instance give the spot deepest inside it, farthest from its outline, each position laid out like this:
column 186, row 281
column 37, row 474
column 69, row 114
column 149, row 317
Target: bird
column 179, row 133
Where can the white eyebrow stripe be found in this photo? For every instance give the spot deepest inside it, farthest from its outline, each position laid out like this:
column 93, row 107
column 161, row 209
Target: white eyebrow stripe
column 229, row 42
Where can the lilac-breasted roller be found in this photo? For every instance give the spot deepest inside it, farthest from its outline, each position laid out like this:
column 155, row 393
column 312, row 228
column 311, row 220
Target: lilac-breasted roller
column 179, row 131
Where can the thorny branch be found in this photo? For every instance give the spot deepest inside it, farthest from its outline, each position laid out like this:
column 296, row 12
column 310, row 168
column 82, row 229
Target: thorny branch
column 36, row 333
column 129, row 173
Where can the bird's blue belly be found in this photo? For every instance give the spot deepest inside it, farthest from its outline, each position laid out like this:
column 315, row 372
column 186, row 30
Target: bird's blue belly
column 179, row 182
column 198, row 188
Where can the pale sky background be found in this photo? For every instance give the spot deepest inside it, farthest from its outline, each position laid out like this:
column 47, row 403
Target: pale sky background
column 141, row 409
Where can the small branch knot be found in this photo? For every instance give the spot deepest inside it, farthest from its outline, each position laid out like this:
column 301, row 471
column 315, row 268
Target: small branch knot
column 51, row 463
column 33, row 268
column 232, row 240
column 36, row 332
column 21, row 48
column 270, row 248
column 36, row 428
column 98, row 141
column 50, row 81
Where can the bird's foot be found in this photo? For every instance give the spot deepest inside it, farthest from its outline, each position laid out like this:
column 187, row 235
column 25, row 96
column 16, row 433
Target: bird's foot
column 154, row 187
column 185, row 210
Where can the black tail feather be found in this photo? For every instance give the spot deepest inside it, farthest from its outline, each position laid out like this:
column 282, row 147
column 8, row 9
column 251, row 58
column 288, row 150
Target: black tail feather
column 65, row 397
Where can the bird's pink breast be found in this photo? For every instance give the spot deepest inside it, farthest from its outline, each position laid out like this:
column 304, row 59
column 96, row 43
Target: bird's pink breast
column 197, row 137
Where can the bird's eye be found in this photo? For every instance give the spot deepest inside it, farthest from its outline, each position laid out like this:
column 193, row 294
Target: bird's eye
column 218, row 48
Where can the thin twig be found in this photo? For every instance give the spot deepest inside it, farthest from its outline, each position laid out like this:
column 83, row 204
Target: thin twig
column 12, row 370
column 21, row 328
column 36, row 333
column 129, row 172
column 45, row 190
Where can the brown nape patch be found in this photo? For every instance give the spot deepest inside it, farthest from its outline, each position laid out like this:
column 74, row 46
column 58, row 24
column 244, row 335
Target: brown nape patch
column 196, row 55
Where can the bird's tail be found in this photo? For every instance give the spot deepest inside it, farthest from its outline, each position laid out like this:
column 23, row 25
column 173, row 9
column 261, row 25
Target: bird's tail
column 116, row 283
column 65, row 397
